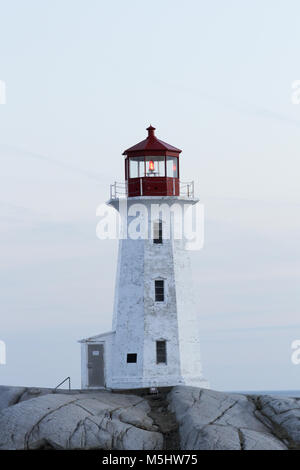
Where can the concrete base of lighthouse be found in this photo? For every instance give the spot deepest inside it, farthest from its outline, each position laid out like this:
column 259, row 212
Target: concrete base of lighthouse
column 157, row 382
column 97, row 373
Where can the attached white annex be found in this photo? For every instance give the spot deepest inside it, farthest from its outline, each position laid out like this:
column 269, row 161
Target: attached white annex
column 154, row 340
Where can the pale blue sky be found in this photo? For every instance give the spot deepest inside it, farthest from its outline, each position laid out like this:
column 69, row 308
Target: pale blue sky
column 84, row 79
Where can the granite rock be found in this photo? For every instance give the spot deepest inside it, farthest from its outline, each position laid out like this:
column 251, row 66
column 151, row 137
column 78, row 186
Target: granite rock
column 37, row 418
column 100, row 420
column 210, row 420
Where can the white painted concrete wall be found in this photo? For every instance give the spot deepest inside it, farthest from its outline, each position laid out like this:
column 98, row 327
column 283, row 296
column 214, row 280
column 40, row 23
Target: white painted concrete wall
column 139, row 321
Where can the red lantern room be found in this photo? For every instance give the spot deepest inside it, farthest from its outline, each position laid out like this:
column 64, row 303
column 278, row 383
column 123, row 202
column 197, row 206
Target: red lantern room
column 152, row 168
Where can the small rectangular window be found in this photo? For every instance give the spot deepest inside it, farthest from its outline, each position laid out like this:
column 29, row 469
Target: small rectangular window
column 131, row 358
column 159, row 291
column 157, row 231
column 161, row 352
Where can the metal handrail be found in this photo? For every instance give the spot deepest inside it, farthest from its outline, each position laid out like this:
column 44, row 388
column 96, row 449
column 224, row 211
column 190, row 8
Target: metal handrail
column 187, row 189
column 120, row 190
column 61, row 383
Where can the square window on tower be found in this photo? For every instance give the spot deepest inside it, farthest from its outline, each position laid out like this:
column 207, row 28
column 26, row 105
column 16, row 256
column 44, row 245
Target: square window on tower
column 159, row 291
column 131, row 358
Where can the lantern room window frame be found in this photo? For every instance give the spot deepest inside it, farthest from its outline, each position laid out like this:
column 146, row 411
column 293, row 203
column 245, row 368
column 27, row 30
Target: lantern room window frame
column 155, row 159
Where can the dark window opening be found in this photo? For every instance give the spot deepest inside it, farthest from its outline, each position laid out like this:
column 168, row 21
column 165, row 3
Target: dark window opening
column 157, row 232
column 131, row 358
column 159, row 291
column 161, row 352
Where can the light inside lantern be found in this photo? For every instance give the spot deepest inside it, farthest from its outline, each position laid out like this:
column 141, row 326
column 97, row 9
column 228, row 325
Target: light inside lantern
column 174, row 167
column 151, row 165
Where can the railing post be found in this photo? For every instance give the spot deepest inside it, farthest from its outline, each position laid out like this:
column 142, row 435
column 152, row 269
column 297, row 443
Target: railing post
column 141, row 186
column 121, row 189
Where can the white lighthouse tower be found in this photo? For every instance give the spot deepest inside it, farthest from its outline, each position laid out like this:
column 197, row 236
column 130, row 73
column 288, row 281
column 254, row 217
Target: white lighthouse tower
column 154, row 340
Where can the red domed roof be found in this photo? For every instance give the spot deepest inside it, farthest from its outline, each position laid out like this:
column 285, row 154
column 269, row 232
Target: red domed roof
column 152, row 145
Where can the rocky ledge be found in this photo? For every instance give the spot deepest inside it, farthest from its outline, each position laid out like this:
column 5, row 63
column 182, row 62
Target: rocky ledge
column 221, row 421
column 188, row 418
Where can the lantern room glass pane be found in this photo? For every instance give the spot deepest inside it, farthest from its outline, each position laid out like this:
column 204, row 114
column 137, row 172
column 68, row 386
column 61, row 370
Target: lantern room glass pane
column 155, row 166
column 172, row 167
column 136, row 167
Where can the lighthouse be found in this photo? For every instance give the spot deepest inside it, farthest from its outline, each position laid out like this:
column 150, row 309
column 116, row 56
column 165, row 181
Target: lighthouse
column 154, row 341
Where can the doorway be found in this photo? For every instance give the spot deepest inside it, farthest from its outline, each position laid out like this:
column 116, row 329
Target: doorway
column 96, row 365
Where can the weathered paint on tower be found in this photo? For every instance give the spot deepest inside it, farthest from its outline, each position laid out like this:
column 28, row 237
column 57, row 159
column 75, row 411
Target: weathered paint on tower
column 155, row 337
